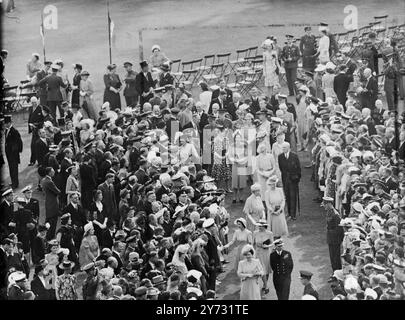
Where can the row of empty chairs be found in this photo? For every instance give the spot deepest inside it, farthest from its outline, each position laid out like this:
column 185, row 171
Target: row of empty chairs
column 245, row 70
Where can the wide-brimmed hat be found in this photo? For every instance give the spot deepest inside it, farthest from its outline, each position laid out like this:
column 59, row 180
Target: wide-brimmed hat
column 66, row 265
column 242, row 221
column 247, row 248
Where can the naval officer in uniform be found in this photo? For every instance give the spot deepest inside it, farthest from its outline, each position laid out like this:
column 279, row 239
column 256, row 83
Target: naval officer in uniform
column 281, row 263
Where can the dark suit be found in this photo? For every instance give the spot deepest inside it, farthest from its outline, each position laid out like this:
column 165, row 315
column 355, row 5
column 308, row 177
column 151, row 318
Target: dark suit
column 37, row 119
column 78, row 221
column 228, row 98
column 290, row 55
column 369, row 97
column 13, row 148
column 291, row 175
column 401, row 151
column 88, row 185
column 40, row 291
column 3, row 274
column 341, row 84
column 142, row 85
column 370, row 124
column 334, row 237
column 213, row 258
column 390, row 145
column 130, row 93
column 165, row 79
column 41, row 149
column 109, row 200
column 42, row 89
column 7, row 214
column 38, row 249
column 54, row 95
column 119, row 265
column 106, row 240
column 391, row 185
column 51, row 204
column 142, row 176
column 282, row 266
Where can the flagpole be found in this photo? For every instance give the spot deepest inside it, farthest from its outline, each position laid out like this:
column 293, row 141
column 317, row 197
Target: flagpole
column 43, row 35
column 109, row 29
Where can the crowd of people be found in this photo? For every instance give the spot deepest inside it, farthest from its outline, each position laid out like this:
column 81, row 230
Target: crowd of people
column 135, row 196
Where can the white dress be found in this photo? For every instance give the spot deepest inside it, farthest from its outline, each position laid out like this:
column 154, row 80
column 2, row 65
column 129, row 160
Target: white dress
column 323, row 49
column 269, row 68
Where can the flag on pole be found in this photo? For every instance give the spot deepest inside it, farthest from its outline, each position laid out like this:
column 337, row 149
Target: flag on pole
column 110, row 29
column 42, row 33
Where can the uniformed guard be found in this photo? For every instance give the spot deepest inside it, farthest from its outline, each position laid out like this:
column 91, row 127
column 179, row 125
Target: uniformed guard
column 305, row 277
column 281, row 263
column 308, row 48
column 334, row 233
column 290, row 56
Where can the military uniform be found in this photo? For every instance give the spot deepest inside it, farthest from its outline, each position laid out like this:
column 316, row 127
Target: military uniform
column 130, row 93
column 308, row 47
column 334, row 237
column 282, row 265
column 290, row 56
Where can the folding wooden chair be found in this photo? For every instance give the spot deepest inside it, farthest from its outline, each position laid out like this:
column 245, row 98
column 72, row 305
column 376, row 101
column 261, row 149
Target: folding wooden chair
column 257, row 64
column 251, row 81
column 189, row 77
column 205, row 66
column 239, row 61
column 180, row 76
column 234, row 86
column 381, row 19
column 252, row 51
column 224, row 58
column 216, row 71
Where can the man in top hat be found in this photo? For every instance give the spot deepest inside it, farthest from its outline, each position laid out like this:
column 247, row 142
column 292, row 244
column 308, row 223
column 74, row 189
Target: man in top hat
column 109, row 200
column 308, row 48
column 35, row 122
column 290, row 56
column 13, row 148
column 77, row 67
column 144, row 84
column 131, row 95
column 341, row 84
column 282, row 264
column 305, row 277
column 334, row 233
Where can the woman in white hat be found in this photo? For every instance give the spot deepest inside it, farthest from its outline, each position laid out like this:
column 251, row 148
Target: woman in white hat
column 275, row 203
column 158, row 57
column 89, row 248
column 241, row 237
column 265, row 166
column 327, row 81
column 270, row 66
column 254, row 207
column 262, row 241
column 249, row 271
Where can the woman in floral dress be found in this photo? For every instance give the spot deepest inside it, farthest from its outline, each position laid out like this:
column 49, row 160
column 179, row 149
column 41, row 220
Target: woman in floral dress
column 221, row 171
column 86, row 96
column 65, row 287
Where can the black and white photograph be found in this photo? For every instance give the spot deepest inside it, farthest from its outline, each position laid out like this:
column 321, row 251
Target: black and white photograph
column 211, row 150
